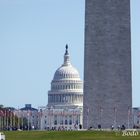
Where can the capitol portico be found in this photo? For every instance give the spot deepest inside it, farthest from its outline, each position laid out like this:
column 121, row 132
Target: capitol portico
column 65, row 99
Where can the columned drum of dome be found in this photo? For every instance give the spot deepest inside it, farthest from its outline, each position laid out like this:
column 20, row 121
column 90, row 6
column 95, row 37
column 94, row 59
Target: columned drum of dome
column 107, row 64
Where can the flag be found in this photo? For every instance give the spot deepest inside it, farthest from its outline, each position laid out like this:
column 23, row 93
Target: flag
column 138, row 114
column 87, row 110
column 1, row 113
column 115, row 109
column 101, row 109
column 40, row 113
column 129, row 111
column 74, row 113
column 29, row 113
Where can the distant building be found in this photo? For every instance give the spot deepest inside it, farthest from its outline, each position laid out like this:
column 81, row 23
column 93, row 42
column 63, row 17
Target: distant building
column 65, row 99
column 136, row 117
column 29, row 117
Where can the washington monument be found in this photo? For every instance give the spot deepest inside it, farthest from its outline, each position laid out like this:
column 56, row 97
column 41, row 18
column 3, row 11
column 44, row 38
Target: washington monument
column 107, row 64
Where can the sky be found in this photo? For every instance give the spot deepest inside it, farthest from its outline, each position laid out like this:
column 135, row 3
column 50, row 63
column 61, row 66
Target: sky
column 33, row 35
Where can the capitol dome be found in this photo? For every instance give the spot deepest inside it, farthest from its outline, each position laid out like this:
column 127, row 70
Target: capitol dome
column 66, row 72
column 66, row 86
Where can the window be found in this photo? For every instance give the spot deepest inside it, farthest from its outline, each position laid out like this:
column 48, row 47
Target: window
column 66, row 122
column 61, row 122
column 77, row 122
column 55, row 122
column 70, row 122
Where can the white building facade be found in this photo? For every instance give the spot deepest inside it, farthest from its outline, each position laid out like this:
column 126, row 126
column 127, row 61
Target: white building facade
column 28, row 118
column 136, row 117
column 65, row 99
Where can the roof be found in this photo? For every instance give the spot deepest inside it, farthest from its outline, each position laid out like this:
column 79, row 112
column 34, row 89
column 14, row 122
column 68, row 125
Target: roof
column 28, row 107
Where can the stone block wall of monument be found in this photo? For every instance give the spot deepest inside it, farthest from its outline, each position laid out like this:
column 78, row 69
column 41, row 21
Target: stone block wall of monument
column 107, row 64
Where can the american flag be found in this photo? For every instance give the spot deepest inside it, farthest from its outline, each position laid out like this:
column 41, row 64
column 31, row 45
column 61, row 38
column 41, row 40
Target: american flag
column 101, row 109
column 29, row 113
column 1, row 113
column 129, row 111
column 138, row 114
column 40, row 113
column 115, row 109
column 87, row 110
column 62, row 113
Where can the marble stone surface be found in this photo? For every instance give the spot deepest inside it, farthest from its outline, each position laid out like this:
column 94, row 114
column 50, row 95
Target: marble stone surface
column 107, row 64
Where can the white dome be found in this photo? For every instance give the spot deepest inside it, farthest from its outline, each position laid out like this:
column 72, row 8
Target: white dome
column 66, row 86
column 66, row 72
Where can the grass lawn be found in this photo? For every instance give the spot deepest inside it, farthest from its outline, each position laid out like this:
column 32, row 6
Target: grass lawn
column 67, row 135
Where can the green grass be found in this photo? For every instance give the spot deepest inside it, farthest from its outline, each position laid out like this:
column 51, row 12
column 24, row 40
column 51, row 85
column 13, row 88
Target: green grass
column 67, row 135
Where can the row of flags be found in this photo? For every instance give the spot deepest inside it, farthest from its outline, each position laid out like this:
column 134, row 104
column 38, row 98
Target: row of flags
column 115, row 111
column 4, row 113
column 9, row 113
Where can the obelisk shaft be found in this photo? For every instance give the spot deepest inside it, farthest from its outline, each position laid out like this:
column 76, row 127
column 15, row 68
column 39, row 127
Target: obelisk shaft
column 107, row 64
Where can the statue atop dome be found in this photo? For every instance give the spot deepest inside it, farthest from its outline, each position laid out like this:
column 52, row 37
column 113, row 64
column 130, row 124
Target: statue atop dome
column 66, row 53
column 66, row 57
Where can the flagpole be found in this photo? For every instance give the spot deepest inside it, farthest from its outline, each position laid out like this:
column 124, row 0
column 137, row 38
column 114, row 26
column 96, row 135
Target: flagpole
column 128, row 117
column 3, row 119
column 0, row 121
column 22, row 123
column 18, row 119
column 87, row 117
column 7, row 119
column 28, row 120
column 115, row 116
column 14, row 123
column 40, row 119
column 101, row 110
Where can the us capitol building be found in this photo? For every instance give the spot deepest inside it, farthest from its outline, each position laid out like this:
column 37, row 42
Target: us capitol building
column 65, row 99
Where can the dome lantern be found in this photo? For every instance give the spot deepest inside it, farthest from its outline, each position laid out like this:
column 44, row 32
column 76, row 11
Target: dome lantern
column 66, row 57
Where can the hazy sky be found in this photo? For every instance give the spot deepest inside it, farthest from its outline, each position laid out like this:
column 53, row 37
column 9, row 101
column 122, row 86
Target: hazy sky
column 33, row 34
